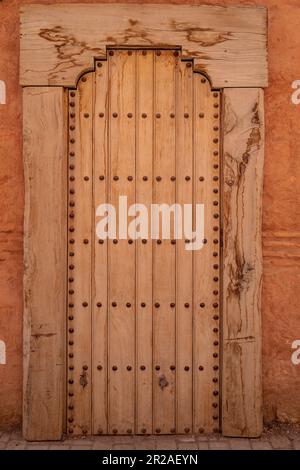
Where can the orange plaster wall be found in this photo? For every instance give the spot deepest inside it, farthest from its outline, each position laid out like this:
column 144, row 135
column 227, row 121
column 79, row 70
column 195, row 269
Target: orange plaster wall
column 281, row 211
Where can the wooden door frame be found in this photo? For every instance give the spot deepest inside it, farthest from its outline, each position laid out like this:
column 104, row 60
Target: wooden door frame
column 228, row 45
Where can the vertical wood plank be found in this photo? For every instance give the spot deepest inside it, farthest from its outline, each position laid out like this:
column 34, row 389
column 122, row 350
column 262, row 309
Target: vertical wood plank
column 164, row 252
column 184, row 258
column 99, row 290
column 80, row 266
column 206, row 260
column 243, row 136
column 144, row 301
column 122, row 254
column 45, row 262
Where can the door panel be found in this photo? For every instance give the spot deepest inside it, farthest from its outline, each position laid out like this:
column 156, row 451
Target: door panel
column 143, row 309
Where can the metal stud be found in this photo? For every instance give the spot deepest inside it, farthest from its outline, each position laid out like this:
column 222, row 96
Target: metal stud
column 129, row 368
column 144, row 52
column 99, row 64
column 143, row 430
column 99, row 367
column 216, row 393
column 145, row 178
column 115, row 241
column 85, row 367
column 201, row 178
column 86, row 115
column 172, row 367
column 176, row 54
column 188, row 64
column 172, row 304
column 111, row 53
column 129, row 52
column 201, row 430
column 186, row 368
column 71, row 330
column 86, row 178
column 158, row 242
column 101, row 242
column 157, row 367
column 158, row 115
column 215, row 95
column 143, row 304
column 173, row 178
column 157, row 430
column 84, row 304
column 84, row 79
column 216, row 343
column 172, row 115
column 216, row 105
column 202, row 305
column 186, row 115
column 172, row 430
column 129, row 115
column 215, row 330
column 85, row 241
column 187, row 178
column 216, row 116
column 130, row 241
column 157, row 305
column 115, row 178
column 72, row 154
column 72, row 104
column 215, row 355
column 216, row 317
column 215, row 253
column 114, row 368
column 71, row 381
column 173, row 242
column 158, row 53
column 186, row 305
column 143, row 367
column 201, row 368
column 203, row 80
column 99, row 304
column 128, row 304
column 201, row 115
column 144, row 115
column 215, row 141
column 186, row 430
column 114, row 304
column 216, row 153
column 144, row 241
column 101, row 115
column 115, row 115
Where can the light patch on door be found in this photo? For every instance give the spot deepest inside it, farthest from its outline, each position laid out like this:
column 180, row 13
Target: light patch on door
column 2, row 92
column 2, row 352
column 296, row 94
column 295, row 358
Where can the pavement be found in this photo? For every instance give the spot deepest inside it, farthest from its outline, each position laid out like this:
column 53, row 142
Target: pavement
column 272, row 439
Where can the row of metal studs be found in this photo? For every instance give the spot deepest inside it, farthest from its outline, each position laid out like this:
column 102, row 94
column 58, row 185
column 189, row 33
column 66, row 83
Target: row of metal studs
column 71, row 202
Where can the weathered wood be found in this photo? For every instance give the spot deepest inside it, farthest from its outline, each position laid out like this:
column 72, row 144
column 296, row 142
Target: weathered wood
column 243, row 181
column 99, row 256
column 164, row 334
column 45, row 256
column 121, row 255
column 207, row 260
column 185, row 180
column 59, row 41
column 144, row 190
column 80, row 259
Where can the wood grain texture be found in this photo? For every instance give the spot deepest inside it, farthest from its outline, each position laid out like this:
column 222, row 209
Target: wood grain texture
column 58, row 42
column 45, row 262
column 242, row 203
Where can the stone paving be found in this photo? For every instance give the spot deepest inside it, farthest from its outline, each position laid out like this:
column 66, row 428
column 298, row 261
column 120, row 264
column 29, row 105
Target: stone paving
column 283, row 440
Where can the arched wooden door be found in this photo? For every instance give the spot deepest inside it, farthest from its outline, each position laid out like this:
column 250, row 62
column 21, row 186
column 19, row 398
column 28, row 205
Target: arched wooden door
column 143, row 315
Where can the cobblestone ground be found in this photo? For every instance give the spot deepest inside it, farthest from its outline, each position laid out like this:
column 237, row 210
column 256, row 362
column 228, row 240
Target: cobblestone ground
column 283, row 439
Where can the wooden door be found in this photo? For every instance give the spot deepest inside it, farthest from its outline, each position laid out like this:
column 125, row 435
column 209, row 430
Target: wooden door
column 143, row 311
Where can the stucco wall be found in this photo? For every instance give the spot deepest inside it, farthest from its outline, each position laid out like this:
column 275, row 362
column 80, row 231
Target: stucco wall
column 281, row 211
